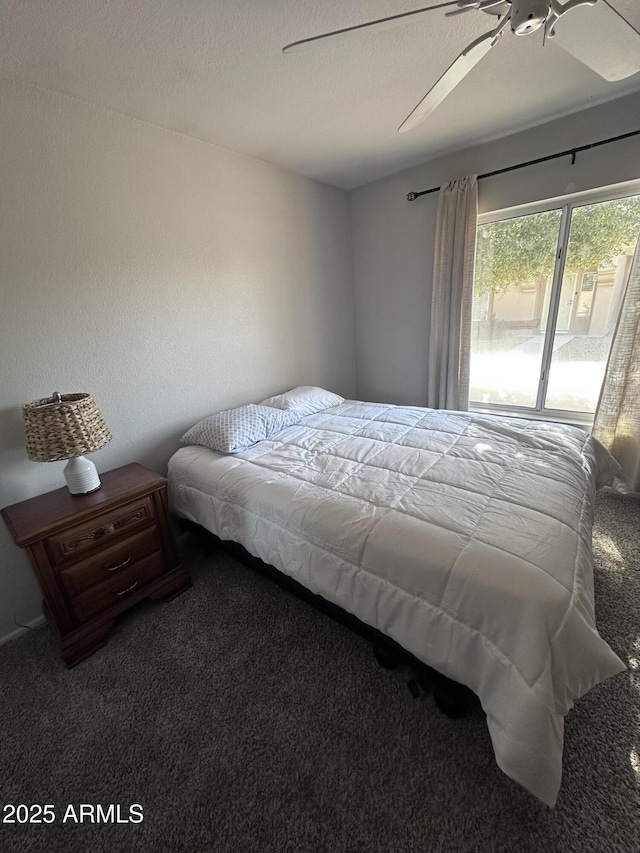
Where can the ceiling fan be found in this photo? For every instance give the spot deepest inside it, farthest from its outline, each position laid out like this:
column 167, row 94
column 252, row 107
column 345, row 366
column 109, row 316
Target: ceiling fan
column 592, row 31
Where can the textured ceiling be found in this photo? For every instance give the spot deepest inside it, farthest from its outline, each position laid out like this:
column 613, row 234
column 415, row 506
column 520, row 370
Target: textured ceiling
column 214, row 70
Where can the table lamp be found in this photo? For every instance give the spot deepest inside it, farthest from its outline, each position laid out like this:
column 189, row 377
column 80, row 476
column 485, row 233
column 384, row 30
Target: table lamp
column 65, row 426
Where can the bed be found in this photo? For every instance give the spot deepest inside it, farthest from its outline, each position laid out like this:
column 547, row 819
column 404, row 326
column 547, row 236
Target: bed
column 465, row 538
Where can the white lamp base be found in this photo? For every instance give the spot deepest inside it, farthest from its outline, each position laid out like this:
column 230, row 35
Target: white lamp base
column 81, row 476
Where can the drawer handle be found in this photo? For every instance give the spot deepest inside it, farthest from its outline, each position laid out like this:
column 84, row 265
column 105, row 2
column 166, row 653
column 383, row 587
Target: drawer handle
column 108, row 529
column 128, row 589
column 111, row 568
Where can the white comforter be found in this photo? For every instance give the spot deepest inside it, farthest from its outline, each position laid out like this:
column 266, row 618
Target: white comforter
column 466, row 538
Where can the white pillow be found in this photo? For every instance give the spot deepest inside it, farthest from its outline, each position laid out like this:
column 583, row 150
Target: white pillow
column 305, row 400
column 237, row 429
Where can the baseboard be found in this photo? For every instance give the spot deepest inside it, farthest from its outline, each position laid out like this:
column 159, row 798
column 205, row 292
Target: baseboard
column 35, row 623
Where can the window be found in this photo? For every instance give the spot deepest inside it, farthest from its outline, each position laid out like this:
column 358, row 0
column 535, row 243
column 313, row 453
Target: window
column 547, row 290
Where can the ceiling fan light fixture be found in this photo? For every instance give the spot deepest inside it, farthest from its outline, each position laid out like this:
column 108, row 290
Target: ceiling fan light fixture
column 527, row 16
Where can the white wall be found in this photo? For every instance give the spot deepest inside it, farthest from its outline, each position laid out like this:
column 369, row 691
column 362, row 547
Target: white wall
column 167, row 277
column 392, row 239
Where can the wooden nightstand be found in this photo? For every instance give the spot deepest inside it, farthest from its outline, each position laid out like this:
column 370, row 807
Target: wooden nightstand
column 96, row 555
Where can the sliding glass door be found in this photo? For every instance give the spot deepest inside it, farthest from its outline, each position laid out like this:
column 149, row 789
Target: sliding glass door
column 547, row 292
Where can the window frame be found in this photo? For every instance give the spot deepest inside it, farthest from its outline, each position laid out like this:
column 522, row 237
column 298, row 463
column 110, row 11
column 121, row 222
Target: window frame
column 566, row 204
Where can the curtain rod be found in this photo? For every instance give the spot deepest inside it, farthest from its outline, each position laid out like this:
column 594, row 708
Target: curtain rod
column 570, row 151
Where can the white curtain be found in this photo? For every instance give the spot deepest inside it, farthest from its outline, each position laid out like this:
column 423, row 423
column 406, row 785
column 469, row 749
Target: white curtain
column 450, row 331
column 617, row 420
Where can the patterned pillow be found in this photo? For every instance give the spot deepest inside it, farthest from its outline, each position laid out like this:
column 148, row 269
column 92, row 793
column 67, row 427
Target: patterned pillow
column 236, row 429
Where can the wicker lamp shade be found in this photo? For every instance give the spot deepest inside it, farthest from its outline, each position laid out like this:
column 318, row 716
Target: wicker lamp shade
column 64, row 426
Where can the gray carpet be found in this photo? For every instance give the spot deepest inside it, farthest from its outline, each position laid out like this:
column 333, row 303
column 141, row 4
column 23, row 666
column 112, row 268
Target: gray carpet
column 243, row 720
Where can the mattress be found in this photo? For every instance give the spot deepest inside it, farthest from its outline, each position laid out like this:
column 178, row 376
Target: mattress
column 464, row 537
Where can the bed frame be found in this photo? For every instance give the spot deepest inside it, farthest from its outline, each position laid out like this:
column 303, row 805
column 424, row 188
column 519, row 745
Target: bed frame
column 453, row 699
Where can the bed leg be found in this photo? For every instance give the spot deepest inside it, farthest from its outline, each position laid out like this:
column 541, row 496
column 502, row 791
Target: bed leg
column 387, row 658
column 454, row 700
column 422, row 682
column 418, row 687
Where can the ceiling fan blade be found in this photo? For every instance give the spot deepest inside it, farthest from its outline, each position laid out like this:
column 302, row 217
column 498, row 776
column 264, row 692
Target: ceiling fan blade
column 455, row 73
column 381, row 23
column 601, row 39
column 468, row 5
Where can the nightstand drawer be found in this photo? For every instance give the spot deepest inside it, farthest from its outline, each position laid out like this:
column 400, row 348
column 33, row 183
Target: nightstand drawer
column 126, row 584
column 76, row 541
column 111, row 562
